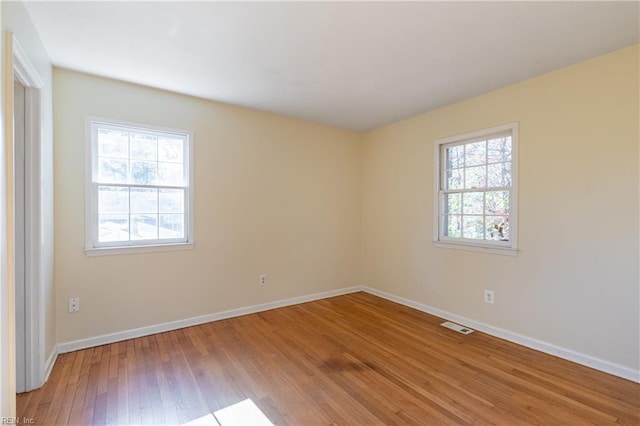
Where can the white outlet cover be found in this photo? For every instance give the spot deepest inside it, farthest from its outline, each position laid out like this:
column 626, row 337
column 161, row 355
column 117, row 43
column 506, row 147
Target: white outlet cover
column 74, row 304
column 489, row 296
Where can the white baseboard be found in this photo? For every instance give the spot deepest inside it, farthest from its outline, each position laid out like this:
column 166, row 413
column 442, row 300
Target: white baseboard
column 560, row 352
column 202, row 319
column 548, row 348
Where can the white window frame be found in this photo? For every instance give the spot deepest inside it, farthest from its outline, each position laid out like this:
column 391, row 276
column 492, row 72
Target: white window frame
column 497, row 247
column 92, row 246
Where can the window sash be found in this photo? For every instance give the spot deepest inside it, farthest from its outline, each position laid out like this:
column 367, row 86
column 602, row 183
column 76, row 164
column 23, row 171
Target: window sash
column 132, row 243
column 442, row 223
column 96, row 126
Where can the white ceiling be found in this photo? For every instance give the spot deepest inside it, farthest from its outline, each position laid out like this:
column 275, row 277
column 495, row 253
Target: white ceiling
column 356, row 65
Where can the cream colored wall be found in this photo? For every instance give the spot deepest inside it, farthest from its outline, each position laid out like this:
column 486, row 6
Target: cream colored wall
column 575, row 281
column 319, row 209
column 272, row 195
column 7, row 266
column 7, row 345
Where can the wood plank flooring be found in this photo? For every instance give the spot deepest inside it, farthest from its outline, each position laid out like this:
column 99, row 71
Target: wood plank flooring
column 348, row 360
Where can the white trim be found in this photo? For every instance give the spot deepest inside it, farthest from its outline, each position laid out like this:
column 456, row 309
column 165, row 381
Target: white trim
column 26, row 73
column 152, row 248
column 88, row 193
column 558, row 351
column 515, row 188
column 48, row 366
column 548, row 348
column 511, row 248
column 23, row 70
column 92, row 247
column 202, row 319
column 478, row 134
column 33, row 232
column 22, row 242
column 507, row 251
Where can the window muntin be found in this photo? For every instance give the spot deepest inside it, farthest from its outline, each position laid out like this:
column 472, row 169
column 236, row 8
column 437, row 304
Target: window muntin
column 475, row 192
column 140, row 185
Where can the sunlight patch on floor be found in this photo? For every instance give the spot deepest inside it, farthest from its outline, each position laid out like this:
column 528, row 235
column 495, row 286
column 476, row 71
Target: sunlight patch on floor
column 243, row 413
column 207, row 420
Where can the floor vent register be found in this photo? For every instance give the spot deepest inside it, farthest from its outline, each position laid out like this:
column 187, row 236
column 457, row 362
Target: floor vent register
column 457, row 327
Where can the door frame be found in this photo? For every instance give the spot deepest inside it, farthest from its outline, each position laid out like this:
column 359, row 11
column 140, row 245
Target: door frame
column 25, row 72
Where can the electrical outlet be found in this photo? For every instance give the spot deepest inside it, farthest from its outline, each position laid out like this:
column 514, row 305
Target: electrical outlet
column 489, row 296
column 263, row 279
column 74, row 304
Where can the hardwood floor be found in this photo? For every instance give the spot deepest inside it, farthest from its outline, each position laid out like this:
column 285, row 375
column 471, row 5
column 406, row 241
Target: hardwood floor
column 350, row 360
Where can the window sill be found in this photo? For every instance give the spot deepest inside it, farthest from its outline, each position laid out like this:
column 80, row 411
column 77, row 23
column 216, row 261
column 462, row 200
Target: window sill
column 109, row 251
column 505, row 251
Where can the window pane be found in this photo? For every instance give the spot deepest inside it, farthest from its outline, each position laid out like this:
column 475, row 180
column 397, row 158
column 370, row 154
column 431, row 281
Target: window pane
column 497, row 228
column 472, row 227
column 171, row 150
column 506, row 229
column 171, row 226
column 475, row 153
column 455, row 157
column 143, row 172
column 454, row 179
column 144, row 227
column 453, row 203
column 473, row 203
column 453, row 226
column 499, row 174
column 475, row 177
column 171, row 201
column 112, row 170
column 497, row 203
column 113, row 199
column 144, row 200
column 499, row 150
column 113, row 144
column 113, row 228
column 144, row 147
column 170, row 174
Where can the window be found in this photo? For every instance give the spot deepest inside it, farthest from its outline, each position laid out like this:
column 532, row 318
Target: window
column 139, row 187
column 475, row 197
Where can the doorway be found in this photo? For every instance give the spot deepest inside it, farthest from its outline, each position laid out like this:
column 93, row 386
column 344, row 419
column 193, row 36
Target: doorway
column 25, row 213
